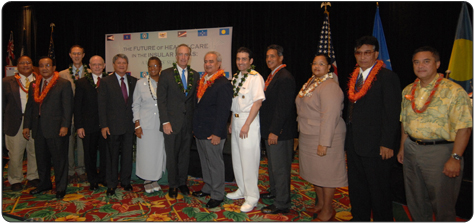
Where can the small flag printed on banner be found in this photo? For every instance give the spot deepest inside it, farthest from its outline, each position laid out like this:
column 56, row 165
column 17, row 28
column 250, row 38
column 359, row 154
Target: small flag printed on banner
column 181, row 33
column 110, row 37
column 127, row 37
column 144, row 36
column 224, row 31
column 162, row 35
column 128, row 73
column 143, row 74
column 202, row 33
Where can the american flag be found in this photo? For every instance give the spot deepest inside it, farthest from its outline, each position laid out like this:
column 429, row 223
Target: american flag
column 10, row 56
column 325, row 45
column 51, row 47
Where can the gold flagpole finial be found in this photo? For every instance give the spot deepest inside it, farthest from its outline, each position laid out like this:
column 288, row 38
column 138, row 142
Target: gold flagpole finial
column 377, row 4
column 51, row 25
column 325, row 4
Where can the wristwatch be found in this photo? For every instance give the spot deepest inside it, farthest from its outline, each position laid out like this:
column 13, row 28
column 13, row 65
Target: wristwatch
column 455, row 156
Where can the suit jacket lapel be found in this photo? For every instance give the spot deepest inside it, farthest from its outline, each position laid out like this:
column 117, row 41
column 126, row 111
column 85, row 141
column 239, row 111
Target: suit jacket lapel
column 117, row 87
column 16, row 92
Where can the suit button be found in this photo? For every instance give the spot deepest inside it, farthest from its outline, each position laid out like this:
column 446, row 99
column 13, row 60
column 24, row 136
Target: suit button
column 155, row 113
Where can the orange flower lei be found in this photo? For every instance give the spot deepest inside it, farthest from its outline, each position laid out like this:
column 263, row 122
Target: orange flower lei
column 24, row 89
column 39, row 98
column 203, row 86
column 355, row 96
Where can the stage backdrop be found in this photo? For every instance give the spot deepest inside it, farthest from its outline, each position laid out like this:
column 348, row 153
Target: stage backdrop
column 140, row 46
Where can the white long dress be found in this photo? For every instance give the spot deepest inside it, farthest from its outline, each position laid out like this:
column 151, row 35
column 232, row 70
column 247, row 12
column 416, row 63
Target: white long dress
column 151, row 157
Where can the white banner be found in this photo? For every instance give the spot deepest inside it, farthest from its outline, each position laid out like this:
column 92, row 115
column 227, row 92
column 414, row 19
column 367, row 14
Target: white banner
column 139, row 47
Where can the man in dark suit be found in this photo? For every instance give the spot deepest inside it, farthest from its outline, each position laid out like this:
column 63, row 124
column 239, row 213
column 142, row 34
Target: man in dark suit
column 115, row 118
column 86, row 119
column 372, row 133
column 211, row 115
column 176, row 93
column 48, row 115
column 14, row 98
column 278, row 128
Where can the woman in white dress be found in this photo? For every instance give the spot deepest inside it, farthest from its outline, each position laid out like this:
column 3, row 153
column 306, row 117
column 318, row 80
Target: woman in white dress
column 150, row 159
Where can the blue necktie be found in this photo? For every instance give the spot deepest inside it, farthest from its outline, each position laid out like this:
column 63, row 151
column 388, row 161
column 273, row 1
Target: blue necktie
column 183, row 80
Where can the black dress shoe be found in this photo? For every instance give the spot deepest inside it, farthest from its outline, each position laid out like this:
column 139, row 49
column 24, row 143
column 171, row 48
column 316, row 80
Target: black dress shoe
column 33, row 183
column 128, row 187
column 184, row 190
column 17, row 187
column 267, row 196
column 271, row 209
column 93, row 187
column 37, row 191
column 60, row 194
column 200, row 194
column 172, row 192
column 213, row 203
column 110, row 191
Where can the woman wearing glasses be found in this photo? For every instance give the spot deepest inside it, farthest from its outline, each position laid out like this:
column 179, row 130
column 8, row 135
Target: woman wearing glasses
column 322, row 135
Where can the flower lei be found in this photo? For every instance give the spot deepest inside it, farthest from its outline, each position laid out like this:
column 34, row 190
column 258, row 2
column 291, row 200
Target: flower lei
column 236, row 88
column 178, row 78
column 308, row 91
column 203, row 86
column 73, row 77
column 39, row 98
column 426, row 104
column 153, row 93
column 91, row 80
column 355, row 96
column 23, row 88
column 271, row 76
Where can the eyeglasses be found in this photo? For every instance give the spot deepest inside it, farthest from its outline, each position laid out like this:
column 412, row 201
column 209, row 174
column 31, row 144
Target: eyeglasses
column 24, row 63
column 154, row 66
column 76, row 53
column 318, row 64
column 366, row 53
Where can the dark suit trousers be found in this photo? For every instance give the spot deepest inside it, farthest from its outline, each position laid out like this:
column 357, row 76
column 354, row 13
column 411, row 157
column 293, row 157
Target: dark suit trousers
column 368, row 185
column 119, row 144
column 92, row 143
column 279, row 162
column 212, row 167
column 55, row 149
column 177, row 148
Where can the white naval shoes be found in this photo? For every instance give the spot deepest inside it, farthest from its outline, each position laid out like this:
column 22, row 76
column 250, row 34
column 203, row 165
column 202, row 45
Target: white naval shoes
column 234, row 195
column 247, row 207
column 155, row 186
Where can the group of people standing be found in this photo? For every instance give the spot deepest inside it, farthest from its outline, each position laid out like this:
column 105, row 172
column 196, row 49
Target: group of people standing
column 429, row 124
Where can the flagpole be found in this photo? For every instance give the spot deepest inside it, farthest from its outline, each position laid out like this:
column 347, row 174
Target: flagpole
column 325, row 4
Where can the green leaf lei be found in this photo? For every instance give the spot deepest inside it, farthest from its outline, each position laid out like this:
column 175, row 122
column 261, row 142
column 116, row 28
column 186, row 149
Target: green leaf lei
column 236, row 88
column 178, row 78
column 71, row 72
column 91, row 80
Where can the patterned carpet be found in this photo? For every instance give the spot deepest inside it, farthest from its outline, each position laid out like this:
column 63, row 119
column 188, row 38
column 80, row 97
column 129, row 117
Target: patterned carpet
column 81, row 204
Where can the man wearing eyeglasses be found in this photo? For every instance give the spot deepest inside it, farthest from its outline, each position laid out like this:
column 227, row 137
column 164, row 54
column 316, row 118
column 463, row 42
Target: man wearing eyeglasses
column 75, row 71
column 14, row 98
column 176, row 94
column 48, row 115
column 372, row 133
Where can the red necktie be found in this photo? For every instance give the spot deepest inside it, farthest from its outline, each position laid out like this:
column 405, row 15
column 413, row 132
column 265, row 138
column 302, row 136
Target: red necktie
column 124, row 89
column 99, row 82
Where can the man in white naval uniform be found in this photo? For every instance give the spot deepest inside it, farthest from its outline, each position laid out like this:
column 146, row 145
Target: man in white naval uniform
column 248, row 86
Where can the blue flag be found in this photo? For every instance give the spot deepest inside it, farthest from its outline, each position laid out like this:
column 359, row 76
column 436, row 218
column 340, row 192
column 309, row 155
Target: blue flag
column 461, row 60
column 379, row 34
